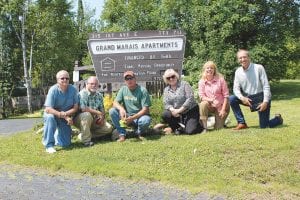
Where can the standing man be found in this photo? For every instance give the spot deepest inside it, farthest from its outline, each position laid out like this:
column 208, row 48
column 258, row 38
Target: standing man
column 251, row 88
column 131, row 106
column 91, row 121
column 61, row 103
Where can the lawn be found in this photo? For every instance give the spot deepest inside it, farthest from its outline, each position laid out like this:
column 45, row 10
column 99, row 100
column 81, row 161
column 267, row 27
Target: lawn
column 249, row 164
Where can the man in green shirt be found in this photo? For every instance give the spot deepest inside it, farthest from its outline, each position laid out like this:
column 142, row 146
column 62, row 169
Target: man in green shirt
column 131, row 107
column 91, row 120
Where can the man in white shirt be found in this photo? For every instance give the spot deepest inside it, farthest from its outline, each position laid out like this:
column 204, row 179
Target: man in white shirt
column 251, row 88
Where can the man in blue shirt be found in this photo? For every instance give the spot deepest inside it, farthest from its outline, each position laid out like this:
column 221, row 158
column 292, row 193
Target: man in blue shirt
column 61, row 103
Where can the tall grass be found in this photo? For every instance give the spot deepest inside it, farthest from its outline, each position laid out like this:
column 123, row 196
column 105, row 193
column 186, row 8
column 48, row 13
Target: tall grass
column 253, row 163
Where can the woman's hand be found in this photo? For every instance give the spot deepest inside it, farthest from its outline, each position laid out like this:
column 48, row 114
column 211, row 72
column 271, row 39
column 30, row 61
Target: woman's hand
column 175, row 112
column 222, row 113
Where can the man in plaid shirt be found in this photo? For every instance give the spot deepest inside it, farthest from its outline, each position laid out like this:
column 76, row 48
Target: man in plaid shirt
column 91, row 119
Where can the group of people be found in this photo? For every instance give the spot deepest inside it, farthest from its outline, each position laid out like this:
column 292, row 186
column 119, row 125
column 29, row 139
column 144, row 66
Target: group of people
column 181, row 115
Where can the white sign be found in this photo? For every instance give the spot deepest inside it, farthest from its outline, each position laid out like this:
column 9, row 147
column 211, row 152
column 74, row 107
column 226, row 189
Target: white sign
column 136, row 46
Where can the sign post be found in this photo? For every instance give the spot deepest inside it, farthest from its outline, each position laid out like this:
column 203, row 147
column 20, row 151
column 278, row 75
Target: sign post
column 147, row 53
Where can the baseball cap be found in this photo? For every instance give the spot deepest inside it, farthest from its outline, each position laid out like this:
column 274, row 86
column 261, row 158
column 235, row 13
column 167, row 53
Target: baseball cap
column 128, row 73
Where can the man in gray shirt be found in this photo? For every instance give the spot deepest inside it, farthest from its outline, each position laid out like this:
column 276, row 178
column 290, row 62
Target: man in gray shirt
column 251, row 88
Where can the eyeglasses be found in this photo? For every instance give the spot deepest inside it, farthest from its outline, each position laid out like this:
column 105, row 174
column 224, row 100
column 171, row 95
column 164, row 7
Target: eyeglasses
column 129, row 78
column 171, row 77
column 64, row 78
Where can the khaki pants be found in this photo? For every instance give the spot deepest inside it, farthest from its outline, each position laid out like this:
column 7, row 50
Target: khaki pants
column 206, row 109
column 88, row 127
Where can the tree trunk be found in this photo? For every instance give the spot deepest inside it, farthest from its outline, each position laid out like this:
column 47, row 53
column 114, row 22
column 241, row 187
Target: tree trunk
column 26, row 77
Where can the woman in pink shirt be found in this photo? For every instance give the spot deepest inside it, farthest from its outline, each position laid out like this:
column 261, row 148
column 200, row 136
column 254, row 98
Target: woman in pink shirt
column 213, row 93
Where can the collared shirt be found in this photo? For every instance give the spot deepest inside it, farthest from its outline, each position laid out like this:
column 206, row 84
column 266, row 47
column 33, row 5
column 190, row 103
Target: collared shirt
column 91, row 100
column 251, row 81
column 182, row 96
column 216, row 89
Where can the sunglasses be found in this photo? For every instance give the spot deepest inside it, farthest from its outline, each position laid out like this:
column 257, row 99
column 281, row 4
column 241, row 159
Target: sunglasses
column 171, row 77
column 129, row 78
column 64, row 78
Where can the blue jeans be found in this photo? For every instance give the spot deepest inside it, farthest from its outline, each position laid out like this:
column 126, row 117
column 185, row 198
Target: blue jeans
column 141, row 124
column 56, row 131
column 264, row 117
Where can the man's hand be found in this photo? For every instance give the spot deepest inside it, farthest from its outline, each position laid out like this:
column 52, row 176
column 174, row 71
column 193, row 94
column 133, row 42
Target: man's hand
column 62, row 114
column 122, row 113
column 69, row 120
column 129, row 120
column 246, row 101
column 100, row 120
column 263, row 106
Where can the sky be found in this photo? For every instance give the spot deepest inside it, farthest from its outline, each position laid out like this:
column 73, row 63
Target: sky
column 91, row 4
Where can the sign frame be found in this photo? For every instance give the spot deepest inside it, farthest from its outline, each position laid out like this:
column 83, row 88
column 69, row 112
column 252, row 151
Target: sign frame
column 147, row 53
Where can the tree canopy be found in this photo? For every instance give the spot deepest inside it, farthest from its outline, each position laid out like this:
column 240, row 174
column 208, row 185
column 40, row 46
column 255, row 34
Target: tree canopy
column 217, row 29
column 55, row 35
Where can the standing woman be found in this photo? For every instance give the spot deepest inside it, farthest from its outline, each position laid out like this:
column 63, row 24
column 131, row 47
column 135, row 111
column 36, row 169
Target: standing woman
column 181, row 112
column 214, row 94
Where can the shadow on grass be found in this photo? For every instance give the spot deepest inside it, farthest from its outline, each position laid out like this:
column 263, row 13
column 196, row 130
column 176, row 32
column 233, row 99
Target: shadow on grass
column 76, row 144
column 285, row 90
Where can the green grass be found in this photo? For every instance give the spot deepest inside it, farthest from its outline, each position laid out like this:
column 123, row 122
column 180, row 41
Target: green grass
column 249, row 164
column 35, row 114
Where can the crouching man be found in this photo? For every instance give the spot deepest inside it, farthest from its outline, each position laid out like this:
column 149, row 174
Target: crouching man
column 91, row 120
column 131, row 106
column 60, row 105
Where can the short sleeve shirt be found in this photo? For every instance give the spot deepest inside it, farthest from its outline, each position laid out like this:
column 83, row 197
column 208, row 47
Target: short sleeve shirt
column 133, row 100
column 62, row 101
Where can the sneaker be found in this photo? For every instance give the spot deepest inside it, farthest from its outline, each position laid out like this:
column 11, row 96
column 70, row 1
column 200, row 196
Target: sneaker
column 88, row 144
column 50, row 150
column 280, row 118
column 121, row 138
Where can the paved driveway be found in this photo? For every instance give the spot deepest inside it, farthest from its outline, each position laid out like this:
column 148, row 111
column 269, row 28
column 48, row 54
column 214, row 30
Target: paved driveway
column 30, row 184
column 10, row 126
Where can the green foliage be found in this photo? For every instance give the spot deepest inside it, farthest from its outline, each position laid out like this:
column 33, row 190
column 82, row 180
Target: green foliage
column 215, row 30
column 293, row 63
column 56, row 39
column 156, row 110
column 9, row 62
